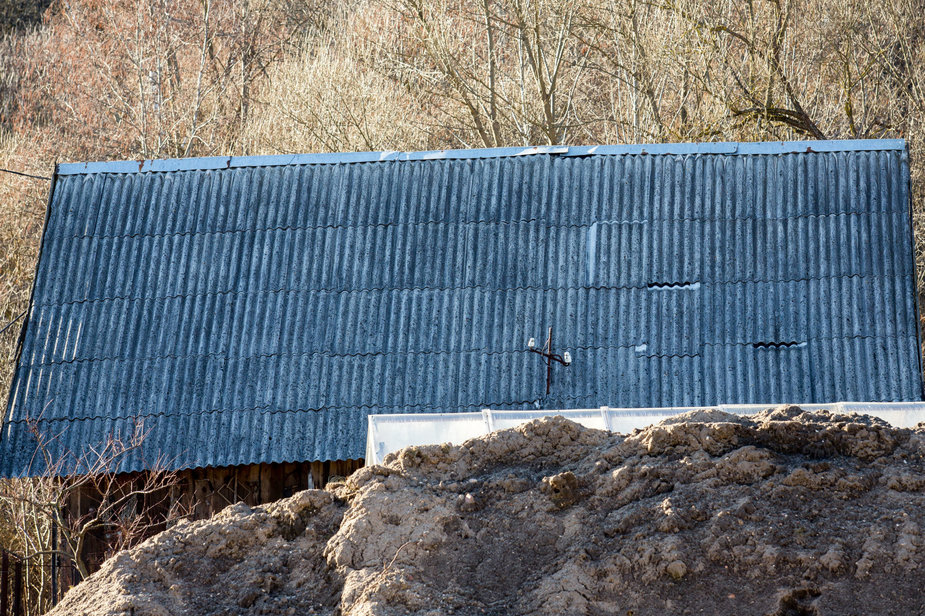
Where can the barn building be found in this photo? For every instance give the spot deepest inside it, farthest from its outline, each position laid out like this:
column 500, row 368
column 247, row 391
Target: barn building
column 247, row 314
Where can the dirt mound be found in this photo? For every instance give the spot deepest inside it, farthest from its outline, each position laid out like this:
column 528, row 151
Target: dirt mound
column 783, row 513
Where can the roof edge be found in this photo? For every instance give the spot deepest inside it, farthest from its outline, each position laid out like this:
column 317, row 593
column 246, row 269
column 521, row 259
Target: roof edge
column 277, row 160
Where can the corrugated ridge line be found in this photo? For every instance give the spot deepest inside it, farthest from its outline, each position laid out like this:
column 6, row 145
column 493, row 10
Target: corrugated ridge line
column 316, row 383
column 824, row 320
column 541, row 222
column 678, row 285
column 698, row 259
column 697, row 189
column 826, row 311
column 739, row 313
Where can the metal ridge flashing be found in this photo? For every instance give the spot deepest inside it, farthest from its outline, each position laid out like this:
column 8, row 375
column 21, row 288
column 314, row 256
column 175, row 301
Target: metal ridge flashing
column 678, row 149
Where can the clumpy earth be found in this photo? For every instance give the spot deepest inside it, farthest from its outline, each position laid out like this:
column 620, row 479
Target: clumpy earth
column 784, row 513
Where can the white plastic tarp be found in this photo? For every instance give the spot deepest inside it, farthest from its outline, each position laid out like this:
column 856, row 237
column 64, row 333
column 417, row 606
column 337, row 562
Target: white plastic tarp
column 388, row 433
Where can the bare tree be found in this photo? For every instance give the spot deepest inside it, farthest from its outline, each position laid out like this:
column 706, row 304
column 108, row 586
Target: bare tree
column 640, row 65
column 491, row 72
column 159, row 78
column 78, row 497
column 325, row 97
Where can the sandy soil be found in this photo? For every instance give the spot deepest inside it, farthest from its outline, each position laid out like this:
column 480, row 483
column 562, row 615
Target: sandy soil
column 786, row 513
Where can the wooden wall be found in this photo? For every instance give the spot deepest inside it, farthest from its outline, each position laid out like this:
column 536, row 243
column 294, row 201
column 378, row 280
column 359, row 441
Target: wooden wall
column 202, row 492
column 206, row 491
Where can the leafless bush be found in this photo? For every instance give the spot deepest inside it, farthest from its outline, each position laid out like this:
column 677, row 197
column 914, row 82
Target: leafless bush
column 324, row 98
column 79, row 499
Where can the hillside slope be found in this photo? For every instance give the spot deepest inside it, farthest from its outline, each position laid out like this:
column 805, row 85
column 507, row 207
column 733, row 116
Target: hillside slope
column 784, row 513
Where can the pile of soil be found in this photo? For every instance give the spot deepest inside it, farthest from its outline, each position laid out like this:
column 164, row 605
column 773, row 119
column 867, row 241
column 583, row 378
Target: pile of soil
column 783, row 513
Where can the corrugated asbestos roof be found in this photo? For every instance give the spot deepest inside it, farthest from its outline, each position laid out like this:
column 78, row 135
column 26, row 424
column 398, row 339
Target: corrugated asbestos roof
column 243, row 310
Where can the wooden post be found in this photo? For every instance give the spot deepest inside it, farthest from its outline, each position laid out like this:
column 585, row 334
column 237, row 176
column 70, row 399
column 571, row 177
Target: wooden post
column 54, row 562
column 17, row 589
column 4, row 584
column 265, row 484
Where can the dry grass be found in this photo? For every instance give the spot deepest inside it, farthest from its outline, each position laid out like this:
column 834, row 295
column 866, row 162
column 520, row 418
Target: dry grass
column 323, row 98
column 22, row 210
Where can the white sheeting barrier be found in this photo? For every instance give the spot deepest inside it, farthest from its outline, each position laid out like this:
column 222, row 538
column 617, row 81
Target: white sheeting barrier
column 388, row 433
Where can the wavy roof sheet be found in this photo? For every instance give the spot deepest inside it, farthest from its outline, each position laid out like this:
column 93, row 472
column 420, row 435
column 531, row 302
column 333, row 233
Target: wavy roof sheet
column 245, row 310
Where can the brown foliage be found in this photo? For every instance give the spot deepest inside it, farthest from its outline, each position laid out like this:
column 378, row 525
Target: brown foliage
column 152, row 79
